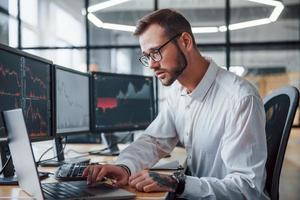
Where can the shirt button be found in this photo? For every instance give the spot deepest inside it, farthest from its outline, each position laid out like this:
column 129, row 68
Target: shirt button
column 187, row 107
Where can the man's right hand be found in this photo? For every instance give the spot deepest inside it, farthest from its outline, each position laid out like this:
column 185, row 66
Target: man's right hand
column 97, row 173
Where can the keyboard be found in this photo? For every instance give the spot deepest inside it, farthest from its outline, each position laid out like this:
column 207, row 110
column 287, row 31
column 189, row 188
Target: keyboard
column 70, row 172
column 55, row 163
column 63, row 190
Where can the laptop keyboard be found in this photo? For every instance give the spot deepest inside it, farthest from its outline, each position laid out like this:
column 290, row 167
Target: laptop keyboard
column 63, row 190
column 70, row 172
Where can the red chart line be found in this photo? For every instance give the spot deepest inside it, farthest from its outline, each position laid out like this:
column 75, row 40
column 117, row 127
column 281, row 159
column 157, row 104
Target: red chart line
column 6, row 72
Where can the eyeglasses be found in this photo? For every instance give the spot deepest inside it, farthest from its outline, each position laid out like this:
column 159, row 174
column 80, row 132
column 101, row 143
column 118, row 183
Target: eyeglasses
column 155, row 55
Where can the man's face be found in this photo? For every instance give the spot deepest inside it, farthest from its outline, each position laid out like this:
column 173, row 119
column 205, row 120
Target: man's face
column 173, row 61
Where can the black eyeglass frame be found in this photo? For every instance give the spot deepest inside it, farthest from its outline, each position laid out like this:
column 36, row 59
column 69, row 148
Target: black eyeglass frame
column 144, row 59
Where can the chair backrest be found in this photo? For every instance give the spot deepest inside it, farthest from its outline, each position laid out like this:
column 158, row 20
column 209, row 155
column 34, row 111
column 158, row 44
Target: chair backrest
column 280, row 107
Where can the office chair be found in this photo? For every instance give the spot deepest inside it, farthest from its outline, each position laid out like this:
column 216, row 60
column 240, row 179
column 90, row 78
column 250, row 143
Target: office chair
column 280, row 107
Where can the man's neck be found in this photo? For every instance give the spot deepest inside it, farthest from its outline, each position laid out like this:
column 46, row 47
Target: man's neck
column 194, row 72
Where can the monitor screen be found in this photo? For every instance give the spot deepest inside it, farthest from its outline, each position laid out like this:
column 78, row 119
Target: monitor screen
column 72, row 101
column 10, row 83
column 25, row 82
column 122, row 102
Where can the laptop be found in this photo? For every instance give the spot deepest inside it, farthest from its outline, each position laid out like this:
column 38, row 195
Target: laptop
column 26, row 170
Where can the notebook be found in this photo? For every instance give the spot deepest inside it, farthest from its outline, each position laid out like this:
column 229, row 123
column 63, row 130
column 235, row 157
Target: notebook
column 26, row 170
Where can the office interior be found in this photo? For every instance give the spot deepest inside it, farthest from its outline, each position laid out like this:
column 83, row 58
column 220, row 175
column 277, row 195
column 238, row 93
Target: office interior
column 256, row 39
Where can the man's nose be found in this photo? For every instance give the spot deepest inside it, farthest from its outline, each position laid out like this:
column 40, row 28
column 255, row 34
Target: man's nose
column 153, row 64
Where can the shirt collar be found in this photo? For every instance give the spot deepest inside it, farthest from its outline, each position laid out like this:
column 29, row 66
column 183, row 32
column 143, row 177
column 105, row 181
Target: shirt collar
column 203, row 86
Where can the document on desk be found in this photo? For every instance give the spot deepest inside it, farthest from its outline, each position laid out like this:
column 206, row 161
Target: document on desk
column 167, row 165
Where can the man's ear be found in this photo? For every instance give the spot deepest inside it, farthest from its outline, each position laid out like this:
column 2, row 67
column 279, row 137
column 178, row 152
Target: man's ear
column 187, row 40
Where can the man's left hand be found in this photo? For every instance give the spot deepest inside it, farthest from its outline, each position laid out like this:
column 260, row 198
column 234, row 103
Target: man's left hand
column 149, row 181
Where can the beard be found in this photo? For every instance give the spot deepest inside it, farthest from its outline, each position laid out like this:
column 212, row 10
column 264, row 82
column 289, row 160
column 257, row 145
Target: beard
column 175, row 72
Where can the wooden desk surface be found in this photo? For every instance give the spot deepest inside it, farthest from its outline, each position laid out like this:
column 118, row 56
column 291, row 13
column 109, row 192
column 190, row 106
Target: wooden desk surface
column 14, row 192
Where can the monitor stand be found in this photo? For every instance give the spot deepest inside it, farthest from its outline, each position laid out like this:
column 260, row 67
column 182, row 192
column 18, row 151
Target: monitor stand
column 60, row 158
column 13, row 180
column 8, row 176
column 112, row 148
column 57, row 152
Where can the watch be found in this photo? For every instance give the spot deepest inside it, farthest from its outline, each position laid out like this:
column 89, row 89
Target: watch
column 180, row 177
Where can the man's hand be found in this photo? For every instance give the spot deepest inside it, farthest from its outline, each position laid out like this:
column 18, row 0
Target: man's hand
column 98, row 173
column 147, row 181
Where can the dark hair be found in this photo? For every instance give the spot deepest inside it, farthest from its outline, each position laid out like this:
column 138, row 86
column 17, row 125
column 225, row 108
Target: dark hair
column 170, row 20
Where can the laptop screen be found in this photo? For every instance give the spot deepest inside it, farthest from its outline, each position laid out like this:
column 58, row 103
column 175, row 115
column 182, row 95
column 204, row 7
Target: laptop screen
column 21, row 152
column 23, row 159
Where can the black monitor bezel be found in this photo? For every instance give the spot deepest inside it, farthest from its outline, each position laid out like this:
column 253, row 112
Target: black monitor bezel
column 45, row 61
column 131, row 128
column 54, row 102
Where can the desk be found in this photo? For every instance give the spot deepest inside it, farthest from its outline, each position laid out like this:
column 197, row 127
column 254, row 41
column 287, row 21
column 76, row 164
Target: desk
column 14, row 192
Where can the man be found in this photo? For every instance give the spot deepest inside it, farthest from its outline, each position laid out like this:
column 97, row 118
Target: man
column 216, row 115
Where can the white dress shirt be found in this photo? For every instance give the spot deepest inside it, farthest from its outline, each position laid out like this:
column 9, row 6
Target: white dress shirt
column 222, row 126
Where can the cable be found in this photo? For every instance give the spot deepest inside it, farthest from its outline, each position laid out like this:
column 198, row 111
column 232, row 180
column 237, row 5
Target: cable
column 94, row 151
column 113, row 144
column 62, row 151
column 6, row 163
column 39, row 160
column 78, row 152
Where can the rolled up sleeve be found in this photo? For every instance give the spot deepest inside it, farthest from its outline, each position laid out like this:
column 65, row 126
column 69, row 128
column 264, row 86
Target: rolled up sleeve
column 158, row 140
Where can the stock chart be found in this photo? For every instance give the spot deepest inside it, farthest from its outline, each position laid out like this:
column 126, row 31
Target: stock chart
column 37, row 79
column 35, row 114
column 122, row 102
column 10, row 84
column 73, row 107
column 25, row 83
column 37, row 97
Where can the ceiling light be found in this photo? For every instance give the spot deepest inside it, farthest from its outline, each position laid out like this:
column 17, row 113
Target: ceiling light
column 248, row 24
column 119, row 27
column 276, row 12
column 222, row 28
column 95, row 20
column 83, row 11
column 272, row 18
column 268, row 2
column 205, row 29
column 100, row 24
column 106, row 4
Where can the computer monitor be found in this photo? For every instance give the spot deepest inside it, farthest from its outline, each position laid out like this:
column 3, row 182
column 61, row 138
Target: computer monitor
column 37, row 98
column 10, row 82
column 25, row 82
column 121, row 103
column 72, row 109
column 72, row 100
